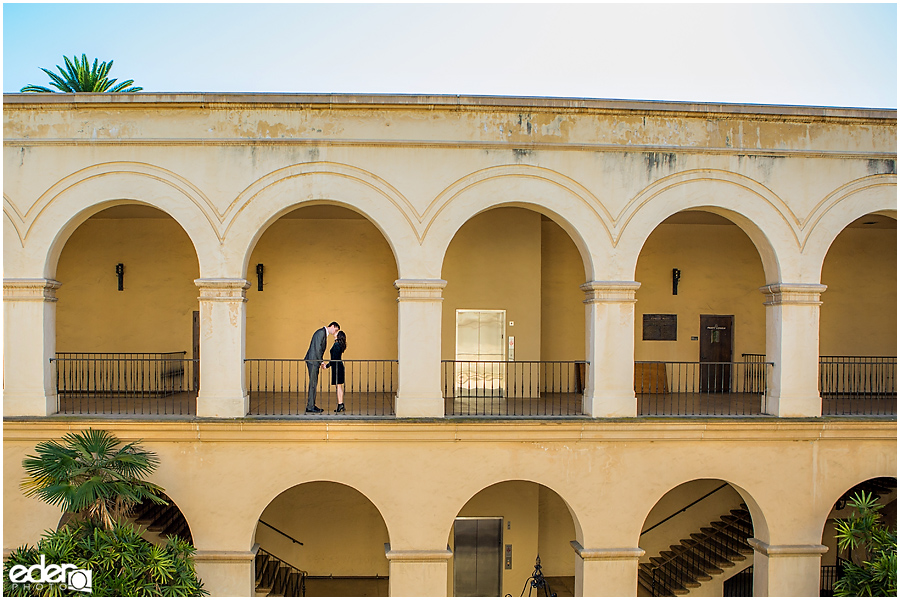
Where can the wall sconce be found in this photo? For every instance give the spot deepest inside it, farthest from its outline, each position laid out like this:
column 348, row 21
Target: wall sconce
column 260, row 269
column 120, row 274
column 676, row 275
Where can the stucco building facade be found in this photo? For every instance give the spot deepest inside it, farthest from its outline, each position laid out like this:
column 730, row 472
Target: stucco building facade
column 593, row 239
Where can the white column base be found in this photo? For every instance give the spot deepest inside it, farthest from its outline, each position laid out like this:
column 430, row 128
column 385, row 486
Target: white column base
column 226, row 574
column 211, row 405
column 786, row 571
column 421, row 573
column 606, row 572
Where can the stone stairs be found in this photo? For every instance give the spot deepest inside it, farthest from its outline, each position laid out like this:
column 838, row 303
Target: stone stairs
column 275, row 577
column 713, row 551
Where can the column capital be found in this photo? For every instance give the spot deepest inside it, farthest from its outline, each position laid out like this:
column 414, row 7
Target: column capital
column 609, row 291
column 793, row 293
column 429, row 290
column 417, row 556
column 36, row 289
column 809, row 550
column 222, row 289
column 606, row 553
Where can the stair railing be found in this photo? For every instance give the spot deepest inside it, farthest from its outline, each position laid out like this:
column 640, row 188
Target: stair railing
column 278, row 575
column 675, row 514
column 713, row 547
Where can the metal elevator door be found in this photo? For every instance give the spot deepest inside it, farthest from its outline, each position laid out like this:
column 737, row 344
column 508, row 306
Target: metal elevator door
column 477, row 557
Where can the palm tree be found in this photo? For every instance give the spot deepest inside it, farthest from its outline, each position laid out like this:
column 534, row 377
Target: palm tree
column 87, row 474
column 79, row 78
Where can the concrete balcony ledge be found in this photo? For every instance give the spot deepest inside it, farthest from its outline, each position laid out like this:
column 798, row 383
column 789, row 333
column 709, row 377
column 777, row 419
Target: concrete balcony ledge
column 445, row 430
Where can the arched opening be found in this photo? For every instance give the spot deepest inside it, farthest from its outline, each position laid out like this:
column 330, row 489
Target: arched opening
column 700, row 323
column 513, row 337
column 125, row 326
column 695, row 542
column 315, row 265
column 884, row 490
column 321, row 539
column 157, row 522
column 858, row 321
column 498, row 536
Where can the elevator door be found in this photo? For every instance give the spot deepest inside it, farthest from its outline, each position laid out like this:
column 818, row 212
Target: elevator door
column 477, row 554
column 480, row 352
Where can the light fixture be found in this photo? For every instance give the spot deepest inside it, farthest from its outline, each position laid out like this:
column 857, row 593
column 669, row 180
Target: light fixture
column 260, row 269
column 120, row 274
column 676, row 275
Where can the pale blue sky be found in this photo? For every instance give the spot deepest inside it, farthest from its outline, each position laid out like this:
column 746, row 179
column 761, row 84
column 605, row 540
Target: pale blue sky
column 808, row 54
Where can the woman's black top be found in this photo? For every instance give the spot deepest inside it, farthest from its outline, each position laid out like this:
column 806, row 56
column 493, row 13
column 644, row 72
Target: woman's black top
column 337, row 373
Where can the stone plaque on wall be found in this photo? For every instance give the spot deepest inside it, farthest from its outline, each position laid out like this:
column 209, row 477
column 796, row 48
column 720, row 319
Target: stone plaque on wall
column 661, row 327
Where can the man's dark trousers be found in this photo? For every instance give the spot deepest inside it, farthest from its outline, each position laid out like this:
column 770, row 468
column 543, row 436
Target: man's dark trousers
column 313, row 361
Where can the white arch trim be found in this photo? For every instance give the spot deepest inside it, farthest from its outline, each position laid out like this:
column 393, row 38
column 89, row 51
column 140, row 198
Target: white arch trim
column 762, row 215
column 49, row 223
column 271, row 498
column 565, row 201
column 287, row 189
column 874, row 194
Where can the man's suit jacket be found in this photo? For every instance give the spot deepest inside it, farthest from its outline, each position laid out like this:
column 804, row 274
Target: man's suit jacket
column 317, row 345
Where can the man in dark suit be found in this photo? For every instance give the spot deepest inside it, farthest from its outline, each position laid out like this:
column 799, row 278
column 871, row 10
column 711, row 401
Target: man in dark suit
column 314, row 362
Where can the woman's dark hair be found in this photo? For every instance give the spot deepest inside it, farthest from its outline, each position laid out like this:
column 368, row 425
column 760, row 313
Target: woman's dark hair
column 341, row 338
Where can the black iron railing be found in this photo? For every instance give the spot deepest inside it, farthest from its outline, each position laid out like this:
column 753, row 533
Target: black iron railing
column 513, row 388
column 280, row 387
column 701, row 388
column 741, row 584
column 858, row 385
column 158, row 383
column 278, row 577
column 716, row 544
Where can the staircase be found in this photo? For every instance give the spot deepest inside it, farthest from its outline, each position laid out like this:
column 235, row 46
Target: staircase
column 708, row 553
column 275, row 577
column 164, row 520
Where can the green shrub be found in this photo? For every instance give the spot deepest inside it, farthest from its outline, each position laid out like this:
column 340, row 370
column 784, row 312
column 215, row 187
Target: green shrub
column 122, row 563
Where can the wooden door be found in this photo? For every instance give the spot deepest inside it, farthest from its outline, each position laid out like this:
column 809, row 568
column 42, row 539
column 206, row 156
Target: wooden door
column 716, row 347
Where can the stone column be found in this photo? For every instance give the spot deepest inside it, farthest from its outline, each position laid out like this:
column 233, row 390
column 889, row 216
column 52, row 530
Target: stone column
column 417, row 572
column 223, row 324
column 419, row 348
column 786, row 570
column 792, row 343
column 606, row 571
column 29, row 342
column 610, row 348
column 227, row 573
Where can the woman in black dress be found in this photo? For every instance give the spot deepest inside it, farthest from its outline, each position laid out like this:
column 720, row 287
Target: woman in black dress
column 337, row 367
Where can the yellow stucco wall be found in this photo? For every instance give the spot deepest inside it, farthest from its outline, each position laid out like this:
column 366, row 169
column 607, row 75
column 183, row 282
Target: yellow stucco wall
column 720, row 275
column 317, row 271
column 859, row 308
column 154, row 311
column 488, row 271
column 342, row 532
column 562, row 301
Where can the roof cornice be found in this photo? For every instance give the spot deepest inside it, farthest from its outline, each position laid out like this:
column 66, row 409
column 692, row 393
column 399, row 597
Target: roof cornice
column 437, row 102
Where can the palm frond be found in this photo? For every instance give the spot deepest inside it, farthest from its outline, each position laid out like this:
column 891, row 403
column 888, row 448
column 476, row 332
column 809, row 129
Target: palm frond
column 81, row 76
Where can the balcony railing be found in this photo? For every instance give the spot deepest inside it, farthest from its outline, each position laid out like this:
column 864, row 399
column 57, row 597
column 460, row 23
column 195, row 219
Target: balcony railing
column 858, row 385
column 279, row 387
column 666, row 388
column 161, row 383
column 513, row 388
column 740, row 585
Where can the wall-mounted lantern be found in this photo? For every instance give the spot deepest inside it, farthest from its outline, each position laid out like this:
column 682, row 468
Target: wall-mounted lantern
column 120, row 274
column 260, row 269
column 676, row 275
